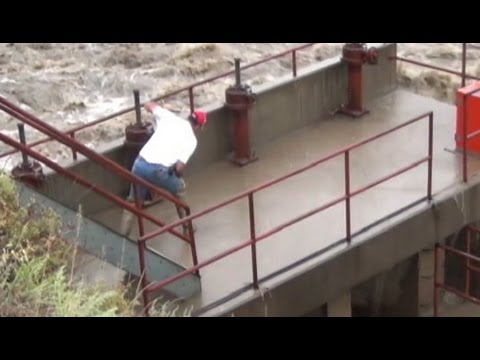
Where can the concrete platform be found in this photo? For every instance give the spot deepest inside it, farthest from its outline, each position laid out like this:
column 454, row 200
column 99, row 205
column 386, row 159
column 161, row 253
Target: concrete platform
column 462, row 310
column 227, row 227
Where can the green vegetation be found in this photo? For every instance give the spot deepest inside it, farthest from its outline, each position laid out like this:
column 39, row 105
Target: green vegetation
column 36, row 276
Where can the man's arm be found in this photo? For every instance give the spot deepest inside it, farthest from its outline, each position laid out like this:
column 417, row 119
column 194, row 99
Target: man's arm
column 158, row 111
column 180, row 168
column 151, row 106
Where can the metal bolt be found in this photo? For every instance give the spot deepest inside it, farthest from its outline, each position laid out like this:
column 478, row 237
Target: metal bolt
column 238, row 81
column 21, row 133
column 136, row 96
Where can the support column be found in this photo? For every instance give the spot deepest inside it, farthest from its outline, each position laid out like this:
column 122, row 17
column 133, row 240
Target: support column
column 426, row 280
column 356, row 55
column 340, row 306
column 399, row 294
column 393, row 293
column 239, row 99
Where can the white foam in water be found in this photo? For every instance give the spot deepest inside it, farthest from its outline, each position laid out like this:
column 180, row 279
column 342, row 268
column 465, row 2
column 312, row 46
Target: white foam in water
column 68, row 85
column 5, row 80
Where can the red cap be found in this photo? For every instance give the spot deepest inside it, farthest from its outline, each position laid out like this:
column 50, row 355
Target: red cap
column 200, row 117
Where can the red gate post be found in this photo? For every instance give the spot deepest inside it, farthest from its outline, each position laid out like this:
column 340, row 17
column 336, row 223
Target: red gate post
column 239, row 99
column 356, row 55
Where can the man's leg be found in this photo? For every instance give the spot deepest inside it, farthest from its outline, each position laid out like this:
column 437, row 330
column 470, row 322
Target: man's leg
column 174, row 185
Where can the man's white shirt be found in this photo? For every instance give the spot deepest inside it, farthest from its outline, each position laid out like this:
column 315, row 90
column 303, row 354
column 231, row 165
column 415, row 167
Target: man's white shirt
column 172, row 140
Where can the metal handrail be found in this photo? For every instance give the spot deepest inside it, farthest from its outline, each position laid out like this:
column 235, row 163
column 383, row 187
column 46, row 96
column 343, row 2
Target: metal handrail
column 469, row 268
column 38, row 124
column 464, row 76
column 136, row 209
column 255, row 239
column 68, row 138
column 49, row 130
column 433, row 67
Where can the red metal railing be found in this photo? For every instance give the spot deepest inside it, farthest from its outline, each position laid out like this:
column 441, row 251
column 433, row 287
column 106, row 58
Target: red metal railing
column 190, row 88
column 68, row 139
column 469, row 268
column 464, row 76
column 434, row 67
column 38, row 124
column 466, row 137
column 254, row 238
column 135, row 209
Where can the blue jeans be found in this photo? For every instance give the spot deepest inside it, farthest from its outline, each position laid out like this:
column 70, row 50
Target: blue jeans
column 156, row 174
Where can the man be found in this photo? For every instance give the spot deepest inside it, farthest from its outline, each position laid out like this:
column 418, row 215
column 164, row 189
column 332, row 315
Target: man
column 163, row 159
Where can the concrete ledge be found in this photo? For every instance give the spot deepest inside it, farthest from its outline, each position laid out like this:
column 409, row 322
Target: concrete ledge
column 73, row 195
column 303, row 291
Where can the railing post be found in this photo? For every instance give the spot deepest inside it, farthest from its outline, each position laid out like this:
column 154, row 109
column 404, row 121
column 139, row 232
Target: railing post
column 191, row 100
column 347, row 194
column 138, row 109
column 430, row 156
column 294, row 63
column 464, row 63
column 74, row 152
column 21, row 135
column 465, row 137
column 436, row 289
column 467, row 267
column 141, row 251
column 143, row 276
column 253, row 238
column 193, row 245
column 138, row 204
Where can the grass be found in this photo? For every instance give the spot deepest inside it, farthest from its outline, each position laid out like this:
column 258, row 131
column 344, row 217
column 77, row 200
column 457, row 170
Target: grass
column 36, row 276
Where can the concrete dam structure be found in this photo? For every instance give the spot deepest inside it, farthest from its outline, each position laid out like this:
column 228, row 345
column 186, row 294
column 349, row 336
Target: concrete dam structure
column 329, row 192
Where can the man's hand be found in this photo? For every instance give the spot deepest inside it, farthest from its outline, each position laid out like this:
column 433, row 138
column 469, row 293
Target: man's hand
column 150, row 106
column 179, row 168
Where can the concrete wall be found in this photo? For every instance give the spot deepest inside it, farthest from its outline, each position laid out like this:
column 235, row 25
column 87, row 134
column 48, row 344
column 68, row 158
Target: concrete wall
column 283, row 106
column 290, row 103
column 215, row 140
column 381, row 78
column 73, row 195
column 391, row 293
